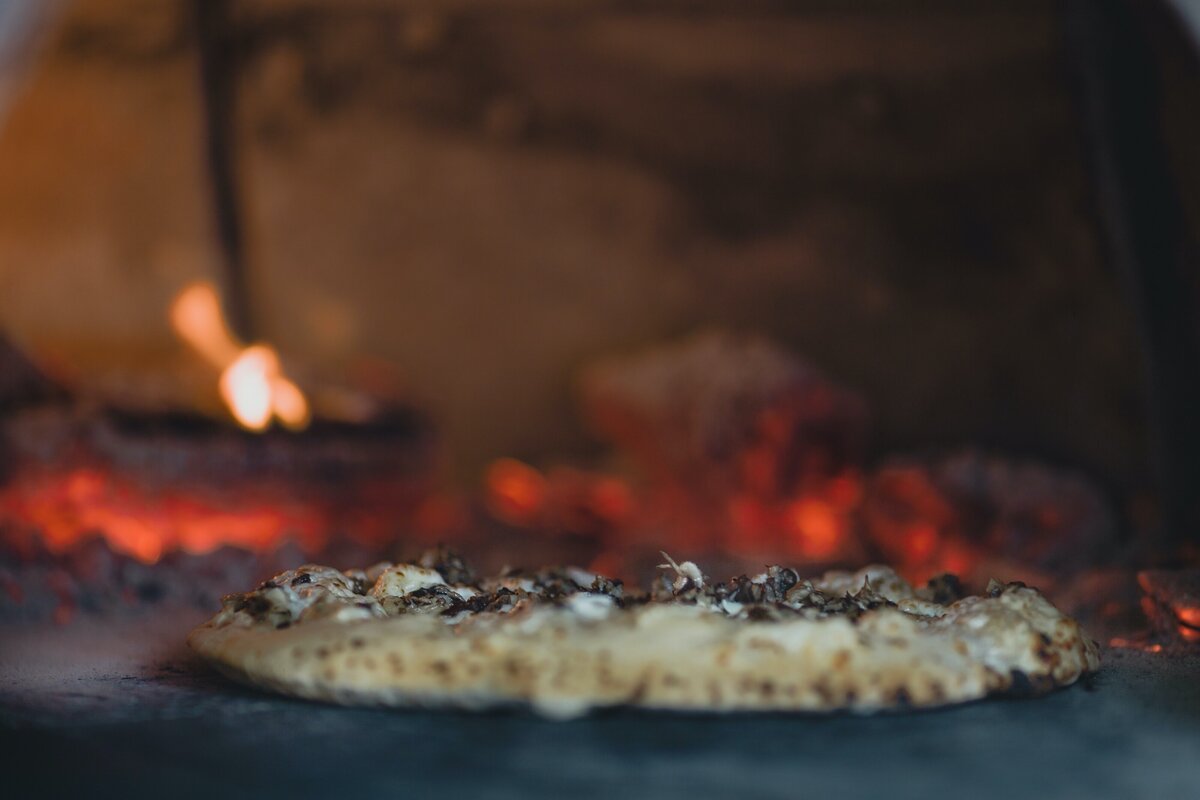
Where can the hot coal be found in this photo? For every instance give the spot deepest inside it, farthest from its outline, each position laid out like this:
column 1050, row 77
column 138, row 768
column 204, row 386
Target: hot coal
column 738, row 441
column 742, row 448
column 929, row 513
column 742, row 455
column 732, row 413
column 1172, row 603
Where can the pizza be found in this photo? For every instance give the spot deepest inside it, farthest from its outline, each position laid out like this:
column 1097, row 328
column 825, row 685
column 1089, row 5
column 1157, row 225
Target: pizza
column 565, row 641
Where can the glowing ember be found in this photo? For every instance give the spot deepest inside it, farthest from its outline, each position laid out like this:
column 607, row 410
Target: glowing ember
column 1135, row 644
column 252, row 383
column 62, row 508
column 65, row 507
column 515, row 491
column 818, row 527
column 1171, row 601
column 758, row 465
column 565, row 501
column 815, row 525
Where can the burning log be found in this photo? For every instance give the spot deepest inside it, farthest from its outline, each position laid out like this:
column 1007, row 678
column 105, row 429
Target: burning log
column 155, row 479
column 150, row 483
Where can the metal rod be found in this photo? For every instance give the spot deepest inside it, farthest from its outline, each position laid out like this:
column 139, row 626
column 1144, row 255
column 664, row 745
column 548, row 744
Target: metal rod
column 218, row 88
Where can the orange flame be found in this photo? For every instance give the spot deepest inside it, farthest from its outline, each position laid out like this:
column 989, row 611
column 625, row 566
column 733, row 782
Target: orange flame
column 252, row 383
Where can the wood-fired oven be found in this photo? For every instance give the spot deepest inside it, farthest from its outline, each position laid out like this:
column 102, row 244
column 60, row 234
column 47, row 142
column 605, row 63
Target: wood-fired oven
column 581, row 282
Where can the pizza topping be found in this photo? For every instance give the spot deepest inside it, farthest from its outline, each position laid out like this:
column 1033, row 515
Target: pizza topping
column 283, row 599
column 771, row 586
column 995, row 588
column 777, row 594
column 404, row 579
column 434, row 599
column 448, row 564
column 328, row 607
column 581, row 577
column 511, row 583
column 551, row 584
column 883, row 580
column 916, row 607
column 501, row 602
column 944, row 589
column 687, row 575
column 731, row 607
column 780, row 580
column 613, row 588
column 590, row 606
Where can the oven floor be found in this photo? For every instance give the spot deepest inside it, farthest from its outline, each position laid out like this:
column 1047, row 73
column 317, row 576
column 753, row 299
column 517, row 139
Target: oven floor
column 106, row 709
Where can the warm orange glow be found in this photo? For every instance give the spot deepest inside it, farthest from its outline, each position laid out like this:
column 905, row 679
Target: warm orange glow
column 62, row 508
column 921, row 542
column 1136, row 644
column 612, row 499
column 1189, row 615
column 289, row 403
column 246, row 387
column 197, row 318
column 515, row 491
column 956, row 558
column 66, row 507
column 817, row 526
column 845, row 490
column 609, row 563
column 252, row 382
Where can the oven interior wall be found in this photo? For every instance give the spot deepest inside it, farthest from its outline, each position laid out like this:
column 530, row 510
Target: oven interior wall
column 484, row 196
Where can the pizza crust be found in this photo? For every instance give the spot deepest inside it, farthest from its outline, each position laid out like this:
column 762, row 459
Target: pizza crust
column 584, row 650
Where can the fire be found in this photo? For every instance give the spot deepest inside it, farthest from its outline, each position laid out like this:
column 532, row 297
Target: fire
column 565, row 500
column 196, row 316
column 818, row 527
column 252, row 383
column 255, row 389
column 64, row 507
column 60, row 508
column 515, row 491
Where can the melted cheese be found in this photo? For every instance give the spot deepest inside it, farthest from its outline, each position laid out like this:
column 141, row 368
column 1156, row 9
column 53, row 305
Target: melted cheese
column 402, row 579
